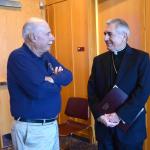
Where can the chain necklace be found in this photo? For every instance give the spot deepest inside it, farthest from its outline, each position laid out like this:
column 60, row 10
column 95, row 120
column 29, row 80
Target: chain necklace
column 114, row 64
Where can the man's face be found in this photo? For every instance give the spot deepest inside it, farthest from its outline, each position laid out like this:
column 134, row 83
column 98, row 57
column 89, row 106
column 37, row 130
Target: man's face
column 44, row 38
column 114, row 39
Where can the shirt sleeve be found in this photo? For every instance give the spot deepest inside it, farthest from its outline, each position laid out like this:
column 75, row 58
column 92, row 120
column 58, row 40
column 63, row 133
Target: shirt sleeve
column 27, row 75
column 62, row 78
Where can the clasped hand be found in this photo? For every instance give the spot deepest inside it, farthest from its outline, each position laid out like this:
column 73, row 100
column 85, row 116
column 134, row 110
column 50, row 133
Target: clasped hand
column 109, row 120
column 56, row 71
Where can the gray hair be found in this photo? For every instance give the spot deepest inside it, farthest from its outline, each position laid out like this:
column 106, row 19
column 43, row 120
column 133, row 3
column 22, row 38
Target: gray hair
column 121, row 25
column 30, row 26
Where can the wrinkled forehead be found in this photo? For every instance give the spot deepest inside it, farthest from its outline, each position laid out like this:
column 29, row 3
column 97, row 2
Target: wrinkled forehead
column 111, row 27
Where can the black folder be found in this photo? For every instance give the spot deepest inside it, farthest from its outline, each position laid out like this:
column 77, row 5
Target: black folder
column 112, row 101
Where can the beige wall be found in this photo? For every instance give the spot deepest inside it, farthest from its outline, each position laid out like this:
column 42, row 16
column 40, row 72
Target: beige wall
column 11, row 22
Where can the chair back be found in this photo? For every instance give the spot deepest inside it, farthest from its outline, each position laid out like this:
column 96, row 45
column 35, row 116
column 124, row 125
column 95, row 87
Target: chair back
column 77, row 107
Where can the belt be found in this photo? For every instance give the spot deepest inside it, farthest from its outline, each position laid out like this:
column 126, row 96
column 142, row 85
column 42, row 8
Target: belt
column 35, row 121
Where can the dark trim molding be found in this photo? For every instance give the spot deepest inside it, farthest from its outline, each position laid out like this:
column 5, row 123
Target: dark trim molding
column 3, row 83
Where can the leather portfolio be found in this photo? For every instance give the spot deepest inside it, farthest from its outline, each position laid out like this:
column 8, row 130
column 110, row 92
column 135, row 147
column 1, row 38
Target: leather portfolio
column 112, row 101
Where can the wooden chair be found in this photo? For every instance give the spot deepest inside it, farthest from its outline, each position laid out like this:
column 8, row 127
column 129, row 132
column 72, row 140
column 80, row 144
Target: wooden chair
column 76, row 109
column 6, row 142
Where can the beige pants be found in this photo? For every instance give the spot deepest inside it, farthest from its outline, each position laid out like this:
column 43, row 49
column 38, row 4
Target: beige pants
column 35, row 136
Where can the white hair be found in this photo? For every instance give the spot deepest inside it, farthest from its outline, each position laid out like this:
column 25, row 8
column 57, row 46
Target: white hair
column 121, row 25
column 30, row 26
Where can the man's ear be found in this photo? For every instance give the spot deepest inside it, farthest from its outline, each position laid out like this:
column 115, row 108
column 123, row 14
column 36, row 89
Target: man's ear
column 32, row 37
column 125, row 36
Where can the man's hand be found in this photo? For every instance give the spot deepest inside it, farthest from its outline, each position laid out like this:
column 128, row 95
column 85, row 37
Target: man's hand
column 105, row 119
column 113, row 117
column 58, row 69
column 49, row 79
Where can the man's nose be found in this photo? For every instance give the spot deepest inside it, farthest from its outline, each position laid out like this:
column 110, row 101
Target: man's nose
column 106, row 38
column 52, row 37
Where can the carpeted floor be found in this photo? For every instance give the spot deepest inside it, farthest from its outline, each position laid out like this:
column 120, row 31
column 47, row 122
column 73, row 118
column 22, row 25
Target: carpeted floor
column 71, row 143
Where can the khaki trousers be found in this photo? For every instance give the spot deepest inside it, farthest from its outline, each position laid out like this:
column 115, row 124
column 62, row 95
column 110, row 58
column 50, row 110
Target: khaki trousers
column 35, row 136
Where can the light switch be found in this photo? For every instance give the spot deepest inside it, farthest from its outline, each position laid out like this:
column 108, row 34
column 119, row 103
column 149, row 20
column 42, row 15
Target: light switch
column 80, row 49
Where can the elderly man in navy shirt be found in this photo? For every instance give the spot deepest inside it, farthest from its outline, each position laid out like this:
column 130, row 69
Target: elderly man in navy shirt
column 35, row 79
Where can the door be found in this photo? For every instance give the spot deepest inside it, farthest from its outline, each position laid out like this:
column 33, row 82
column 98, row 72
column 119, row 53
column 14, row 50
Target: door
column 58, row 16
column 69, row 22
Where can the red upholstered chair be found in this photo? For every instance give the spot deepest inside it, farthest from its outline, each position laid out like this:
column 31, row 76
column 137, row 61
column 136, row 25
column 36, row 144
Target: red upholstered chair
column 6, row 142
column 76, row 109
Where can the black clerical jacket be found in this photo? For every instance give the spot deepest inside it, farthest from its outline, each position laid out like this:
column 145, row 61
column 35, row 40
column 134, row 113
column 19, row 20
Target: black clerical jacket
column 133, row 77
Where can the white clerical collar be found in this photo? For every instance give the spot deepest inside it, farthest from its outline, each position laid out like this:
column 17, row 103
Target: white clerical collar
column 116, row 51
